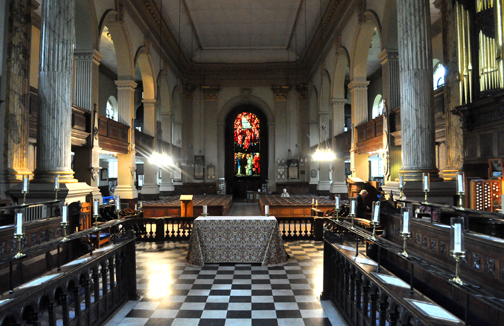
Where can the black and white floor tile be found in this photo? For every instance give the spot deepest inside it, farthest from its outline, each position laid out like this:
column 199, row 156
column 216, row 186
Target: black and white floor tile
column 227, row 294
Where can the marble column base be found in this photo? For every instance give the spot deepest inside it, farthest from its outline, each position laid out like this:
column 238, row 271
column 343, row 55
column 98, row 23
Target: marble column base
column 440, row 192
column 166, row 188
column 39, row 192
column 417, row 174
column 449, row 174
column 339, row 187
column 96, row 194
column 48, row 176
column 324, row 185
column 126, row 192
column 149, row 192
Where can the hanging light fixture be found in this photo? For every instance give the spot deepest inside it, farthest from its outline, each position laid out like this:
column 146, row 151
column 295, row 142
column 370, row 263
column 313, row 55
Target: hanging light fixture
column 323, row 151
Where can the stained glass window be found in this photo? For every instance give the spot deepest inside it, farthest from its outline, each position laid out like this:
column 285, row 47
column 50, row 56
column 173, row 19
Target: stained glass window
column 247, row 145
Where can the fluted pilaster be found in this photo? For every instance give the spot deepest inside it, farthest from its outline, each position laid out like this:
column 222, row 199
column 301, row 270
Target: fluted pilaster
column 166, row 126
column 126, row 100
column 338, row 185
column 149, row 126
column 17, row 92
column 415, row 71
column 86, row 61
column 55, row 93
column 359, row 91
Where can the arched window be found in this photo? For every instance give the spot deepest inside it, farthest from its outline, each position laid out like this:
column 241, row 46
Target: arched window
column 247, row 145
column 439, row 73
column 111, row 110
column 378, row 106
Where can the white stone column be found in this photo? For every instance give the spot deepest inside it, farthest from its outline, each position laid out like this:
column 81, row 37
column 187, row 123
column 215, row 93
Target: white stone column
column 391, row 95
column 167, row 173
column 271, row 155
column 126, row 162
column 86, row 77
column 55, row 93
column 358, row 162
column 324, row 180
column 415, row 70
column 338, row 185
column 150, row 187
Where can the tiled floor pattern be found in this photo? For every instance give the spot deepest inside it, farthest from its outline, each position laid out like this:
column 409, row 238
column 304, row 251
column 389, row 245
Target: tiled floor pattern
column 228, row 294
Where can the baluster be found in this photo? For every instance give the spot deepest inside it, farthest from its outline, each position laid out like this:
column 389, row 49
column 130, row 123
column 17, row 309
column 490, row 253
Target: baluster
column 351, row 297
column 86, row 284
column 77, row 308
column 33, row 319
column 96, row 281
column 290, row 226
column 374, row 302
column 50, row 311
column 63, row 302
column 111, row 273
column 346, row 276
column 336, row 275
column 383, row 311
column 104, row 286
column 365, row 301
column 342, row 282
column 118, row 273
column 282, row 229
column 358, row 294
column 393, row 316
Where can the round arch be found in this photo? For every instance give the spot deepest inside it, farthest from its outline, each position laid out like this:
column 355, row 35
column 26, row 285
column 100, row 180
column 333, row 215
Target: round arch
column 389, row 25
column 144, row 61
column 366, row 29
column 122, row 45
column 339, row 72
column 86, row 25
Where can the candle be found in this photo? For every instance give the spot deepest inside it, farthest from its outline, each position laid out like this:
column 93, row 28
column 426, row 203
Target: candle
column 136, row 207
column 313, row 201
column 25, row 183
column 460, row 183
column 95, row 210
column 426, row 182
column 337, row 205
column 56, row 183
column 457, row 241
column 64, row 214
column 141, row 204
column 316, row 202
column 376, row 212
column 405, row 222
column 401, row 181
column 205, row 211
column 352, row 206
column 118, row 203
column 502, row 203
column 19, row 222
column 266, row 209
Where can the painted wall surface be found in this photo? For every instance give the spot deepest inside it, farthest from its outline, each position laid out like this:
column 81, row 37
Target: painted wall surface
column 34, row 57
column 437, row 47
column 375, row 87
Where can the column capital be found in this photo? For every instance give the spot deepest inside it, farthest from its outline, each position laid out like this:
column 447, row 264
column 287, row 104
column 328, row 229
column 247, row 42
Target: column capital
column 388, row 54
column 126, row 84
column 149, row 102
column 338, row 101
column 280, row 92
column 188, row 91
column 90, row 54
column 211, row 93
column 358, row 84
column 303, row 92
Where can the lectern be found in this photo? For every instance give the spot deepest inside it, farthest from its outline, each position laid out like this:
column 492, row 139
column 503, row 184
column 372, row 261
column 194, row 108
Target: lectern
column 186, row 205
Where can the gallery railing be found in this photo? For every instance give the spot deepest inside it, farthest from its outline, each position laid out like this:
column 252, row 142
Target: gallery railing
column 180, row 228
column 84, row 291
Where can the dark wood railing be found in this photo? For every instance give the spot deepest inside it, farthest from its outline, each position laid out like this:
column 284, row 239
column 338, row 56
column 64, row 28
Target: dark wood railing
column 180, row 228
column 343, row 142
column 144, row 143
column 113, row 135
column 369, row 135
column 83, row 292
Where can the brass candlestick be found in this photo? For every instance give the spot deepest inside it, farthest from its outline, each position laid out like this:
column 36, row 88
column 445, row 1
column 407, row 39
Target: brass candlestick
column 352, row 227
column 337, row 214
column 458, row 257
column 96, row 222
column 425, row 191
column 405, row 236
column 460, row 200
column 401, row 193
column 19, row 237
column 24, row 197
column 55, row 195
column 64, row 227
column 373, row 237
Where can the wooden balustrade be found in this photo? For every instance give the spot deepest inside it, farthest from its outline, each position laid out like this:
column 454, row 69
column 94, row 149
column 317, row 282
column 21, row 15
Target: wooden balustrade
column 343, row 143
column 180, row 228
column 144, row 143
column 83, row 292
column 359, row 291
column 113, row 135
column 370, row 135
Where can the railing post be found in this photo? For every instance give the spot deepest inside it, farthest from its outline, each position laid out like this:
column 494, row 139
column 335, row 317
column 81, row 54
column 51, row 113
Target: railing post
column 63, row 302
column 365, row 301
column 104, row 286
column 383, row 311
column 351, row 297
column 112, row 280
column 328, row 271
column 358, row 294
column 160, row 229
column 130, row 274
column 374, row 302
column 87, row 293
column 77, row 306
column 50, row 312
column 118, row 274
column 96, row 281
column 33, row 319
column 393, row 316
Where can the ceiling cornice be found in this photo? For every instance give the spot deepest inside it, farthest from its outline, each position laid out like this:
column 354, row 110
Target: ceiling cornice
column 336, row 15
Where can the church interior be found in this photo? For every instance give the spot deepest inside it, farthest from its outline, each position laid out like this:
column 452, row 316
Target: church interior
column 251, row 162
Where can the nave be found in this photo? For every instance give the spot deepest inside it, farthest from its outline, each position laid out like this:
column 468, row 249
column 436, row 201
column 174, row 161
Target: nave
column 172, row 293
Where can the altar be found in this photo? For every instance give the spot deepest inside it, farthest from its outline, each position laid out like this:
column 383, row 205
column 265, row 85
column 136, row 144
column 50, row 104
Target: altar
column 232, row 239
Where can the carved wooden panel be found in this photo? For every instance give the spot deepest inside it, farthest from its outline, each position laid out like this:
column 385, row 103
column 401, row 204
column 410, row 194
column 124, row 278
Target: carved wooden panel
column 486, row 144
column 433, row 245
column 476, row 261
column 500, row 143
column 490, row 266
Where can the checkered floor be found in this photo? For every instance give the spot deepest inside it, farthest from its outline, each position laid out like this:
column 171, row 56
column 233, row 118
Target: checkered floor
column 228, row 294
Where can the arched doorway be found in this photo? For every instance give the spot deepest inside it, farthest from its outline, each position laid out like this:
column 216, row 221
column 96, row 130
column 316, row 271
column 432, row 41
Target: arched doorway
column 246, row 138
